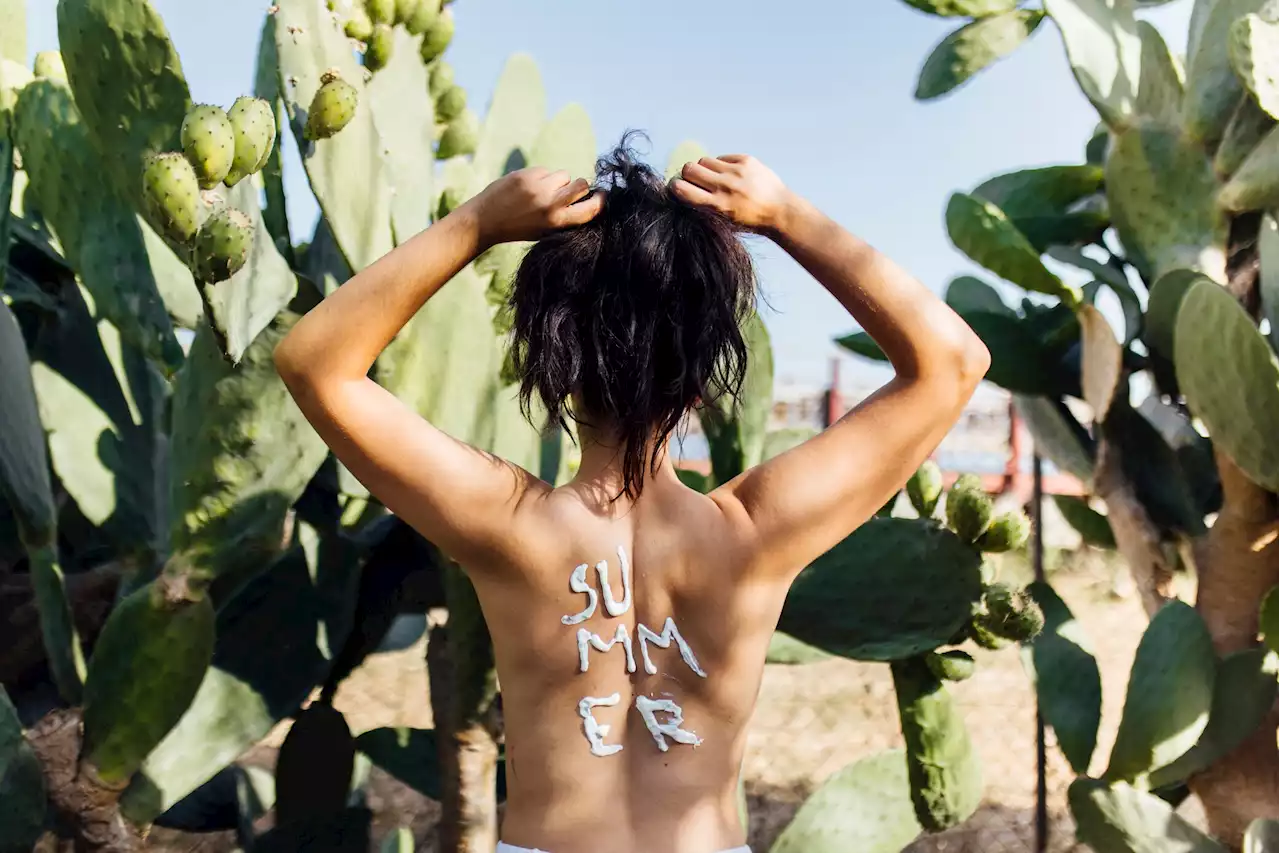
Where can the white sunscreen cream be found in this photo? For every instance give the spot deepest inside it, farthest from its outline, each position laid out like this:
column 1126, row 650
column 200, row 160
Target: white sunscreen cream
column 611, row 605
column 663, row 641
column 578, row 583
column 649, row 709
column 586, row 638
column 596, row 733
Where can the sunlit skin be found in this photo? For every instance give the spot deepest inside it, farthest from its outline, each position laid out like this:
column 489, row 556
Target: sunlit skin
column 719, row 564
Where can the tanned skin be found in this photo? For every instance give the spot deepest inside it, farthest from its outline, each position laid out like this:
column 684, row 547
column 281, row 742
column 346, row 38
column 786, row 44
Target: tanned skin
column 720, row 564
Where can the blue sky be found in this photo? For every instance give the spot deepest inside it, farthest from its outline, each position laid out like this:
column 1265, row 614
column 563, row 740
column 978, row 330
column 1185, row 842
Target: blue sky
column 819, row 90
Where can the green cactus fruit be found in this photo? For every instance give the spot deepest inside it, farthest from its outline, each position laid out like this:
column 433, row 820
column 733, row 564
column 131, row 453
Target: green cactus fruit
column 440, row 79
column 254, row 124
column 451, row 104
column 405, row 10
column 1007, row 532
column 425, row 14
column 49, row 65
column 459, row 137
column 945, row 774
column 146, row 668
column 381, row 11
column 314, row 768
column 450, row 198
column 968, row 508
column 1009, row 614
column 222, row 245
column 209, row 143
column 381, row 44
column 171, row 195
column 925, row 487
column 985, row 638
column 332, row 108
column 1269, row 622
column 437, row 36
column 359, row 26
column 952, row 665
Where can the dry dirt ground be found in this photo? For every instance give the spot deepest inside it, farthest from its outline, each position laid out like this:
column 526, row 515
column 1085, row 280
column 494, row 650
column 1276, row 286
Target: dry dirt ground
column 811, row 720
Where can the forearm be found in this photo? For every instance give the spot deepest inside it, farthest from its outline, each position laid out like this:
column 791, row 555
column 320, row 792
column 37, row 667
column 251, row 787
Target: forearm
column 341, row 337
column 918, row 332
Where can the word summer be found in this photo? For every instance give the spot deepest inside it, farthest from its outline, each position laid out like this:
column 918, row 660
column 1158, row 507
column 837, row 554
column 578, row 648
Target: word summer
column 587, row 640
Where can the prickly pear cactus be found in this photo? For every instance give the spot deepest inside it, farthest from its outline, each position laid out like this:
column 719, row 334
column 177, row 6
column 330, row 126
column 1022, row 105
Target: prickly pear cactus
column 945, row 774
column 146, row 667
column 253, row 122
column 209, row 143
column 222, row 245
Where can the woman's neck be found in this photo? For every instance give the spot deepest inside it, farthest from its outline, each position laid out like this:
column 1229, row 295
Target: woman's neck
column 600, row 467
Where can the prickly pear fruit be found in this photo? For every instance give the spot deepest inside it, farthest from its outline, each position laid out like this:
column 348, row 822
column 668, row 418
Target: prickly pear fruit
column 49, row 65
column 222, row 246
column 451, row 104
column 332, row 108
column 459, row 137
column 405, row 10
column 441, row 79
column 968, row 508
column 209, row 143
column 1007, row 532
column 381, row 11
column 437, row 36
column 953, row 665
column 381, row 43
column 1269, row 620
column 146, row 668
column 425, row 14
column 314, row 767
column 1009, row 614
column 984, row 638
column 170, row 195
column 450, row 198
column 925, row 487
column 359, row 25
column 254, row 126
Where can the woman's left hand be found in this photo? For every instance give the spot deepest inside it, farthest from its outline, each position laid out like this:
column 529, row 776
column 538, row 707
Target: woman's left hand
column 529, row 203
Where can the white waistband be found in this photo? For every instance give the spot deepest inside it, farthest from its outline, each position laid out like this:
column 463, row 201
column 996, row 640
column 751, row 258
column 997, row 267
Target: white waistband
column 508, row 848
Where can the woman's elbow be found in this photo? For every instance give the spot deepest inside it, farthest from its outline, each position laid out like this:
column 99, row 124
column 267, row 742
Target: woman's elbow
column 972, row 361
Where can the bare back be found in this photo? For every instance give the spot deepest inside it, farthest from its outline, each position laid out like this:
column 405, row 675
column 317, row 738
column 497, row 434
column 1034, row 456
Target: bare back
column 642, row 750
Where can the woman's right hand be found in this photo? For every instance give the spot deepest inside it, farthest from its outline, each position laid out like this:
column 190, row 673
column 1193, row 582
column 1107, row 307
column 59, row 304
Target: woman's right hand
column 740, row 187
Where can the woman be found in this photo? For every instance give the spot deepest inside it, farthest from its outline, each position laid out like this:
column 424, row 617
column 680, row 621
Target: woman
column 631, row 615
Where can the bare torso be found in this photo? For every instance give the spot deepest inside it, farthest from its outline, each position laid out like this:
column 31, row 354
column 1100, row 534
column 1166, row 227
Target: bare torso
column 624, row 792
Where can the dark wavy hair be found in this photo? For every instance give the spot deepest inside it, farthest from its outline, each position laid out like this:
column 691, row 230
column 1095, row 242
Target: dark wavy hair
column 637, row 314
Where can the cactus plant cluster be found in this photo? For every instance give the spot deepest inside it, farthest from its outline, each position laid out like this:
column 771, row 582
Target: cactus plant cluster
column 1172, row 214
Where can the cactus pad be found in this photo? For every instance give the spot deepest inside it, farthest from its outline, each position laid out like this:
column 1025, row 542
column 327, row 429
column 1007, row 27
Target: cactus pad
column 973, row 47
column 253, row 122
column 1162, row 192
column 146, row 667
column 925, row 488
column 460, row 136
column 437, row 37
column 1068, row 686
column 1228, row 373
column 209, row 143
column 866, row 806
column 332, row 108
column 984, row 233
column 410, row 755
column 222, row 245
column 735, row 428
column 1169, row 696
column 517, row 111
column 381, row 45
column 1255, row 183
column 24, row 474
column 968, row 508
column 945, row 774
column 952, row 665
column 22, row 785
column 1043, row 203
column 1104, row 49
column 171, row 196
column 894, row 588
column 1007, row 532
column 405, row 127
column 1213, row 89
column 314, row 768
column 451, row 103
column 1100, row 361
column 48, row 64
column 1253, row 51
column 425, row 14
column 1120, row 819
